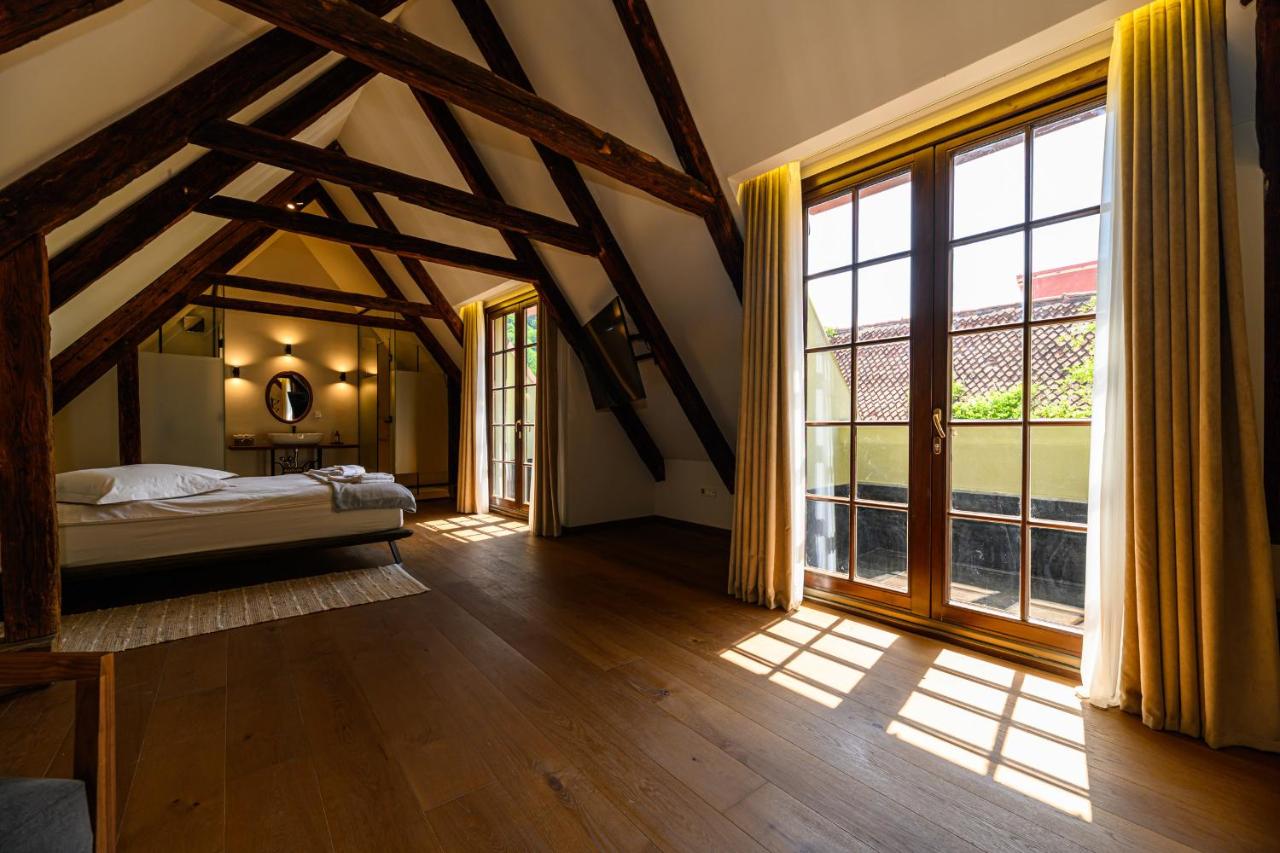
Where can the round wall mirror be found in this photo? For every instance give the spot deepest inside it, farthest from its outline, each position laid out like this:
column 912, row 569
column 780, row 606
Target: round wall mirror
column 289, row 396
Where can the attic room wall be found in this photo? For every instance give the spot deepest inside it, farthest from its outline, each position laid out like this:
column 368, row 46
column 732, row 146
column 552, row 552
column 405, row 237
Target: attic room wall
column 780, row 74
column 255, row 344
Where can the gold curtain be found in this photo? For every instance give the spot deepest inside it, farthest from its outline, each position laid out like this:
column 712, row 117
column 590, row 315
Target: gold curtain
column 544, row 507
column 1199, row 649
column 762, row 565
column 473, row 447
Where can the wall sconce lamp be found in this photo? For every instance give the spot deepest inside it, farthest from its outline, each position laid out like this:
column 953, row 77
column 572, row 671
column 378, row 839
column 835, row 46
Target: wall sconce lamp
column 342, row 376
column 288, row 349
column 235, row 372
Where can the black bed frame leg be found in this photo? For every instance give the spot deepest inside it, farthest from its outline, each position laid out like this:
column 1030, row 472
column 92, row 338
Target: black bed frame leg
column 395, row 551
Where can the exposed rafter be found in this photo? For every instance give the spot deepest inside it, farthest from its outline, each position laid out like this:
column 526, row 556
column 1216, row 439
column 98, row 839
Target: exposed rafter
column 344, row 27
column 97, row 350
column 664, row 85
column 388, row 285
column 96, row 253
column 488, row 35
column 477, row 177
column 257, row 145
column 320, row 294
column 414, row 269
column 301, row 312
column 75, row 180
column 362, row 235
column 22, row 21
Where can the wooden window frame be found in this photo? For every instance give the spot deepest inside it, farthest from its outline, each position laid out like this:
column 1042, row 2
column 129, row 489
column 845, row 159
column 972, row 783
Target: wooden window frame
column 927, row 154
column 517, row 303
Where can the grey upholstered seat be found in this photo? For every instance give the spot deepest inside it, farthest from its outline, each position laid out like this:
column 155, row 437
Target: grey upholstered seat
column 44, row 816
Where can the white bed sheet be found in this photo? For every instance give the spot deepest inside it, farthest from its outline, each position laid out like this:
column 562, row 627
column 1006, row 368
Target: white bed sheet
column 248, row 512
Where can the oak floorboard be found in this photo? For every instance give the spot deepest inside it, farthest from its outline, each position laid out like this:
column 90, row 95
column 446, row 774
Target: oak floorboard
column 563, row 802
column 818, row 781
column 783, row 824
column 366, row 797
column 601, row 692
column 663, row 807
column 176, row 801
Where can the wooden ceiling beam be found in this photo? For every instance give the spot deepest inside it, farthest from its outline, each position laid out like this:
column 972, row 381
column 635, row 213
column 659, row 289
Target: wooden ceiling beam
column 256, row 145
column 414, row 269
column 301, row 312
column 73, row 181
column 403, row 307
column 23, row 21
column 500, row 56
column 477, row 177
column 97, row 350
column 102, row 249
column 352, row 234
column 388, row 285
column 346, row 28
column 664, row 85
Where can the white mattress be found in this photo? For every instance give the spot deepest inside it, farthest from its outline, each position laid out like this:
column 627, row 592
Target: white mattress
column 248, row 512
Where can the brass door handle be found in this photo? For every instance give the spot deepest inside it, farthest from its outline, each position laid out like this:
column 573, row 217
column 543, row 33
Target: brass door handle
column 939, row 433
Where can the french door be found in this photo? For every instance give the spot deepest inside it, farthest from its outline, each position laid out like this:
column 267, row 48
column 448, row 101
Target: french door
column 513, row 387
column 949, row 299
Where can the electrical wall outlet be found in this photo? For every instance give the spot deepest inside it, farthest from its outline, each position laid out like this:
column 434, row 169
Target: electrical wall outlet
column 708, row 492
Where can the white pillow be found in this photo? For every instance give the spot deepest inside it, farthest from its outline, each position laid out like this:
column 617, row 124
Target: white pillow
column 150, row 482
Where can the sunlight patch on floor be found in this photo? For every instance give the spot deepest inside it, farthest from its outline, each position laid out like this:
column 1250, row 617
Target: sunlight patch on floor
column 1023, row 731
column 817, row 655
column 474, row 528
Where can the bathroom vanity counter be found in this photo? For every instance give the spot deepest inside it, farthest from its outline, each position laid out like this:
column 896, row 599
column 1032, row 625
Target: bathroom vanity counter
column 286, row 459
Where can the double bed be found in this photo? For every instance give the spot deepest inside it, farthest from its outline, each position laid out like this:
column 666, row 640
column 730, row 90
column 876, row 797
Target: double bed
column 248, row 515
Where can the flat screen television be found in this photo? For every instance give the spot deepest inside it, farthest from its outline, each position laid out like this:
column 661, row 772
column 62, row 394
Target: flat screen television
column 608, row 330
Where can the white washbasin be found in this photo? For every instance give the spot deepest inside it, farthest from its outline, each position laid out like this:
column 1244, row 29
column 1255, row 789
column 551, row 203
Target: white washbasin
column 295, row 438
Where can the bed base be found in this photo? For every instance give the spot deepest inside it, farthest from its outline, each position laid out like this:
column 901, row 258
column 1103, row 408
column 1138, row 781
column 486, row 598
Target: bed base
column 205, row 558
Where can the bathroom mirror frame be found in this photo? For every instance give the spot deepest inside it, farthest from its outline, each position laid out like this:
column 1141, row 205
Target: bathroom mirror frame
column 303, row 385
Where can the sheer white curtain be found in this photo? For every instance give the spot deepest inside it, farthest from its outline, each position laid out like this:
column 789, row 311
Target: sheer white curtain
column 1108, row 460
column 473, row 445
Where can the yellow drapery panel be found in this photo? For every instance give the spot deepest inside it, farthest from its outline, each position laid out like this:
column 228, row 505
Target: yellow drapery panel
column 1199, row 650
column 544, row 506
column 473, row 456
column 762, row 569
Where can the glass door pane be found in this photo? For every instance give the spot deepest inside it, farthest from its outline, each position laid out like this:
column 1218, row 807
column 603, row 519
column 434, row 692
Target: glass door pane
column 1019, row 372
column 513, row 369
column 858, row 373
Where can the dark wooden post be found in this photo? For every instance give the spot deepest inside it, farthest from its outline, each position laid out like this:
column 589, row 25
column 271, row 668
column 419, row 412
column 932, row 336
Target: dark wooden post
column 129, row 406
column 29, row 574
column 1268, row 126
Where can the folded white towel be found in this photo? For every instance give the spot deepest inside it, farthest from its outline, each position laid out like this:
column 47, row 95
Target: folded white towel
column 333, row 475
column 339, row 470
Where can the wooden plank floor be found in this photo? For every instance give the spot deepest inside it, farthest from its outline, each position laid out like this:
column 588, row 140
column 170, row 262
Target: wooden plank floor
column 600, row 692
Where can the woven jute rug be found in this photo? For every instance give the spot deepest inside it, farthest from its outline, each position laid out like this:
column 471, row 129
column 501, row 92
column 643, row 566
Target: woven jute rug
column 120, row 628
